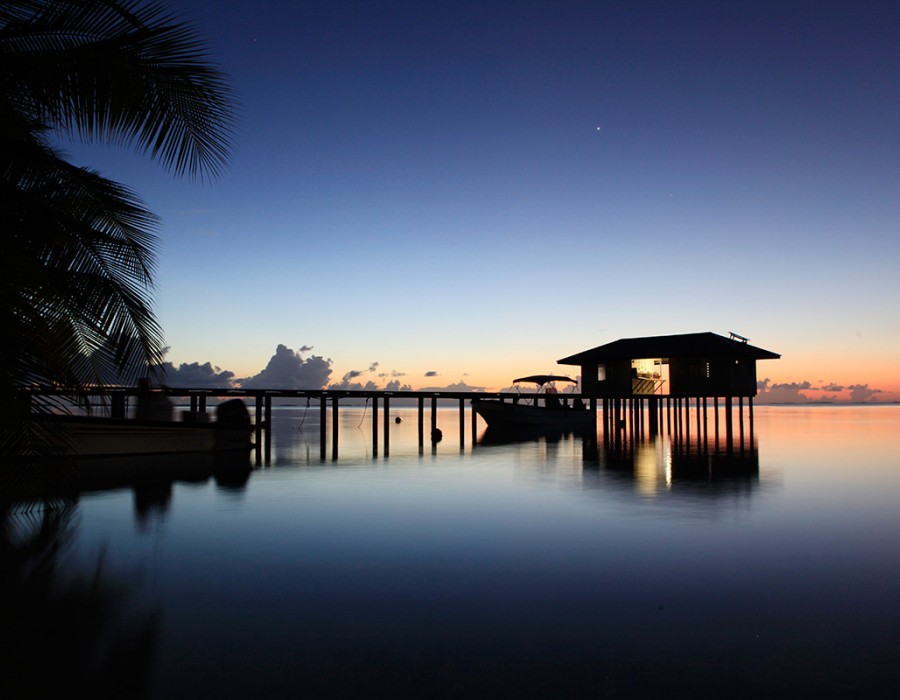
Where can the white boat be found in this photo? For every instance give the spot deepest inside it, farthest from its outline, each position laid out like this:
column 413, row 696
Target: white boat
column 542, row 409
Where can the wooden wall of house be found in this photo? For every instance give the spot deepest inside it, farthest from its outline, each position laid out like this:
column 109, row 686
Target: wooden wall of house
column 717, row 376
column 617, row 384
column 688, row 377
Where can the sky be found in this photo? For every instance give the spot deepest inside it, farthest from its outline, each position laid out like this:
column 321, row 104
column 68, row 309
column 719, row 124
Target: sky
column 458, row 193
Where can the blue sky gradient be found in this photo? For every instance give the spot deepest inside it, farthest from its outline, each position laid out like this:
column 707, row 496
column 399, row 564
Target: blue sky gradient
column 476, row 189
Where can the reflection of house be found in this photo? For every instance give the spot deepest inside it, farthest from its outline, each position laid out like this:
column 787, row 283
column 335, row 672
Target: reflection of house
column 679, row 366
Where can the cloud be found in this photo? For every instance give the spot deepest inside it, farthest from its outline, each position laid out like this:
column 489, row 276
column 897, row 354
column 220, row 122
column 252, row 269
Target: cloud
column 196, row 376
column 432, row 373
column 305, row 348
column 804, row 392
column 862, row 392
column 347, row 383
column 288, row 370
column 782, row 393
column 456, row 386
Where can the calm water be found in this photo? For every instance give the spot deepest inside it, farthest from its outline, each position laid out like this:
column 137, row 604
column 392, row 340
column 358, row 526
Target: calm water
column 543, row 568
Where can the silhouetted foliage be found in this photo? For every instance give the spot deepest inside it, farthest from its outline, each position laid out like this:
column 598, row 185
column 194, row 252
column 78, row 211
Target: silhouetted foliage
column 77, row 251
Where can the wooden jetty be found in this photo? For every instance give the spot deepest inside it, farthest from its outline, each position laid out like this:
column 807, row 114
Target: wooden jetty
column 619, row 421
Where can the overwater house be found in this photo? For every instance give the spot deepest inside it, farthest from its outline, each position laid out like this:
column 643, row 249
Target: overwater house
column 690, row 365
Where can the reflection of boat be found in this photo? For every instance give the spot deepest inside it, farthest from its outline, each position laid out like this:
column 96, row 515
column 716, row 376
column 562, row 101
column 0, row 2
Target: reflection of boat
column 90, row 436
column 541, row 410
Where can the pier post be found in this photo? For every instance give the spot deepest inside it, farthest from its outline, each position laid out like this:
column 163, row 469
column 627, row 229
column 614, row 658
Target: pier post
column 257, row 428
column 433, row 421
column 387, row 425
column 654, row 415
column 421, row 422
column 323, row 414
column 716, row 417
column 705, row 424
column 462, row 423
column 117, row 404
column 267, row 428
column 474, row 419
column 374, row 426
column 729, row 423
column 699, row 430
column 750, row 407
column 334, row 427
column 687, row 419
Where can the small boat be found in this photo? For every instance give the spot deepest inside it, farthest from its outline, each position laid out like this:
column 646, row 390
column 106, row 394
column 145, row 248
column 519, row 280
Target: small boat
column 542, row 409
column 91, row 436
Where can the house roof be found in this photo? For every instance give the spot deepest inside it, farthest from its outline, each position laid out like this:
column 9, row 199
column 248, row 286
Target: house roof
column 684, row 345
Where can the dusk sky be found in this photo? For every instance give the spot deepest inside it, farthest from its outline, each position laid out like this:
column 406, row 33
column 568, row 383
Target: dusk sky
column 445, row 192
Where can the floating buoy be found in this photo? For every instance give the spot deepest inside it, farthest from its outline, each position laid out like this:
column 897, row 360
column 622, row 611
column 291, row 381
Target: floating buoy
column 397, row 419
column 437, row 435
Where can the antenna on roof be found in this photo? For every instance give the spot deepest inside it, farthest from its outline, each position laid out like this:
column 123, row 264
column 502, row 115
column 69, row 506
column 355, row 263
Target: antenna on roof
column 735, row 336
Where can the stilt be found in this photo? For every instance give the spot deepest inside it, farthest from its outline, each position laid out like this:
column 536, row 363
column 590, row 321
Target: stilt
column 257, row 429
column 729, row 423
column 323, row 414
column 374, row 426
column 433, row 423
column 421, row 422
column 334, row 428
column 267, row 428
column 387, row 425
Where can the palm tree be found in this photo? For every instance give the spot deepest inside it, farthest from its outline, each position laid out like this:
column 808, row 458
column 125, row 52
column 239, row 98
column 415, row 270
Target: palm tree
column 77, row 251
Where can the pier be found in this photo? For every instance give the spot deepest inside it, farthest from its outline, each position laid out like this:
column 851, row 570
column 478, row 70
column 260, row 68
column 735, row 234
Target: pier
column 619, row 421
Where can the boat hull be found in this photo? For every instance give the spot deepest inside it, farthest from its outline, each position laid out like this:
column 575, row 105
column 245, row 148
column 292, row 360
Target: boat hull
column 506, row 415
column 82, row 436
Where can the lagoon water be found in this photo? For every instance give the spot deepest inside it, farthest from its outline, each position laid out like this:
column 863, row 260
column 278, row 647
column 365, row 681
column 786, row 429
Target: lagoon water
column 541, row 568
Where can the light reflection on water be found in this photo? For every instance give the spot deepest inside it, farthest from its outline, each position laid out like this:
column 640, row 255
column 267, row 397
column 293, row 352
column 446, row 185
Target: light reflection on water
column 547, row 567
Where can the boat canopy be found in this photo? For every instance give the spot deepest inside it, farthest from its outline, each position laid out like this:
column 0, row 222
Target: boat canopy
column 541, row 379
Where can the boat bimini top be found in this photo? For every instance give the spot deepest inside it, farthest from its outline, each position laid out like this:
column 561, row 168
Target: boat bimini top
column 541, row 379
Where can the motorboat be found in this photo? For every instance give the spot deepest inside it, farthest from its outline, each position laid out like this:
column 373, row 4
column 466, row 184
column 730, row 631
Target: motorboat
column 94, row 436
column 541, row 409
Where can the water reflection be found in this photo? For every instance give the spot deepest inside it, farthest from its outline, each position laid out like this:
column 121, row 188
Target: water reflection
column 549, row 567
column 66, row 633
column 661, row 463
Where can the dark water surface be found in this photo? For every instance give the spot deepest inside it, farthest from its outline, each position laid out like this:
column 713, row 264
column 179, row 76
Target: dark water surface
column 543, row 568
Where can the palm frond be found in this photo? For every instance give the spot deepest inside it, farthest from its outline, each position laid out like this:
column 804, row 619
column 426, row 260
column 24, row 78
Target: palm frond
column 125, row 72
